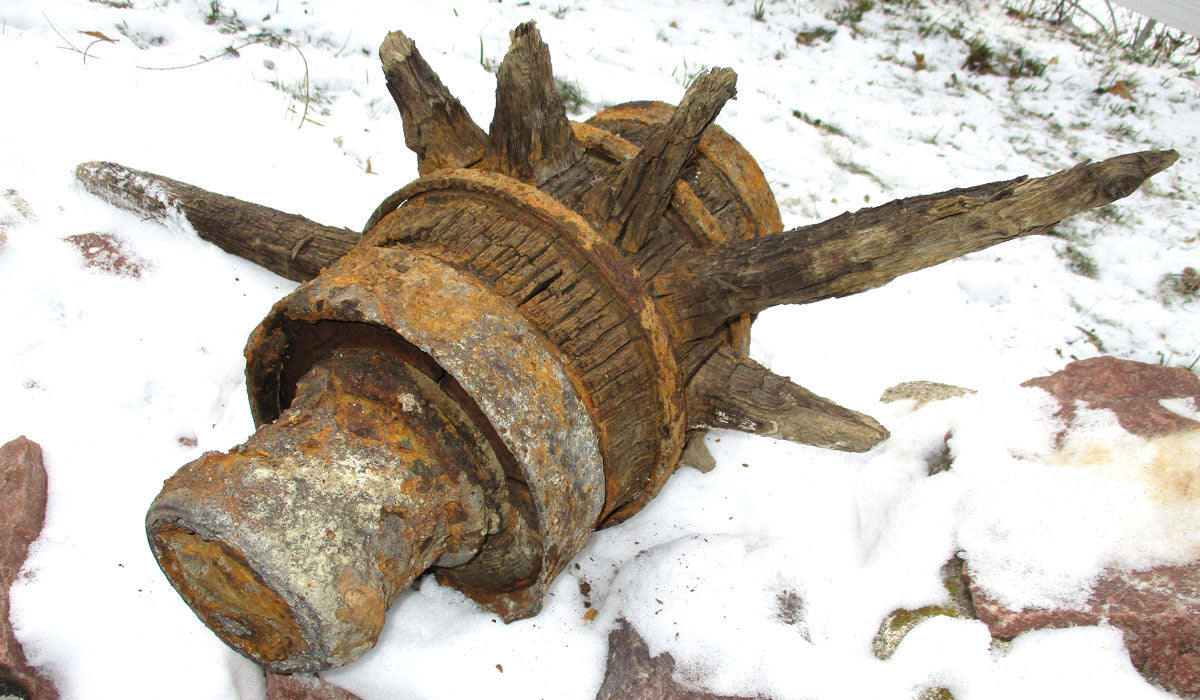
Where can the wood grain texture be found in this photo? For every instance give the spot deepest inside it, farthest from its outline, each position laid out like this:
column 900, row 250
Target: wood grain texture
column 530, row 137
column 527, row 257
column 291, row 246
column 732, row 391
column 858, row 251
column 629, row 204
column 436, row 125
column 723, row 175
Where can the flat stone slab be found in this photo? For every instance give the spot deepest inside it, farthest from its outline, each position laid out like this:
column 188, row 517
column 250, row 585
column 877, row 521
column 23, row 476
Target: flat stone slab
column 1157, row 611
column 633, row 673
column 22, row 512
column 1131, row 390
column 304, row 686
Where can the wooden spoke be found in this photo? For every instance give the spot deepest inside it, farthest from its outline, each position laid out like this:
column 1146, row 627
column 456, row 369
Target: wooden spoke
column 291, row 246
column 630, row 203
column 531, row 138
column 863, row 250
column 735, row 392
column 436, row 125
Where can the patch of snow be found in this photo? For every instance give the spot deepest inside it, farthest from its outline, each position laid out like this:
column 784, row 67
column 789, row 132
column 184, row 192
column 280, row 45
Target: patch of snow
column 109, row 373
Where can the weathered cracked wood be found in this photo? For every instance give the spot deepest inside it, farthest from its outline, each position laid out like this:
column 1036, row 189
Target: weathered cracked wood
column 288, row 245
column 521, row 246
column 722, row 174
column 856, row 252
column 732, row 391
column 631, row 202
column 436, row 125
column 530, row 136
column 687, row 224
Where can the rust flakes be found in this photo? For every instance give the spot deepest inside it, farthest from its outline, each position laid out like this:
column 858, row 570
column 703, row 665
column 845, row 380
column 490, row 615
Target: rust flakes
column 228, row 595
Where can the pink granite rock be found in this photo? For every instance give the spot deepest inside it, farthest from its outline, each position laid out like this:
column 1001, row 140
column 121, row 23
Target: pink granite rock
column 1129, row 389
column 106, row 252
column 633, row 673
column 22, row 512
column 304, row 686
column 1157, row 611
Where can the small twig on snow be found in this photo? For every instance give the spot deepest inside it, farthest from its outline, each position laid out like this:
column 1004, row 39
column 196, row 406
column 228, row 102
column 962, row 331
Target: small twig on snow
column 344, row 44
column 97, row 36
column 234, row 49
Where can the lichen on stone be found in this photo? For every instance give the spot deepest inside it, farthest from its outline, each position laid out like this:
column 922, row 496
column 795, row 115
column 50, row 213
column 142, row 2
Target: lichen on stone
column 899, row 623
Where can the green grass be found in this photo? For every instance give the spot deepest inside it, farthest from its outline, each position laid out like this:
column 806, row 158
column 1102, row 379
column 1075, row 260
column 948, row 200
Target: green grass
column 488, row 64
column 1022, row 66
column 226, row 23
column 980, row 56
column 1080, row 263
column 846, row 163
column 984, row 59
column 819, row 124
column 685, row 74
column 1181, row 286
column 1133, row 40
column 572, row 94
column 1109, row 212
column 1123, row 131
column 807, row 37
column 851, row 13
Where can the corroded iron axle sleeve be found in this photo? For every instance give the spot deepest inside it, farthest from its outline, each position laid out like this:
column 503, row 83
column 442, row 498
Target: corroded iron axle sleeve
column 408, row 419
column 292, row 546
column 504, row 373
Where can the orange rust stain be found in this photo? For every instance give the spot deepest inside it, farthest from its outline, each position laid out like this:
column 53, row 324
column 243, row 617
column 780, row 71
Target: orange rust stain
column 611, row 146
column 317, row 441
column 229, row 596
column 363, row 607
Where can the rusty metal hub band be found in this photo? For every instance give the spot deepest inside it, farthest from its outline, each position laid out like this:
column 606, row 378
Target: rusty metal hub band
column 504, row 366
column 504, row 198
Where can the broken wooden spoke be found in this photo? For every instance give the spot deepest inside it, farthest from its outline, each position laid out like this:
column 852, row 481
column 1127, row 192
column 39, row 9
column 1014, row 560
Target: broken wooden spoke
column 531, row 138
column 734, row 392
column 291, row 246
column 631, row 201
column 858, row 251
column 436, row 125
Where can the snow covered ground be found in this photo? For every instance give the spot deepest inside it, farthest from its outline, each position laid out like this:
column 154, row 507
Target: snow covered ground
column 124, row 379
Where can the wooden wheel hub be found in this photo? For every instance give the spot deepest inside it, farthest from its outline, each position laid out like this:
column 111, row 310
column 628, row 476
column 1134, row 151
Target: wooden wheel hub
column 518, row 348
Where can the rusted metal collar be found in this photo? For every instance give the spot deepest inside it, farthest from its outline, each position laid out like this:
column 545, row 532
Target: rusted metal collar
column 504, row 372
column 293, row 545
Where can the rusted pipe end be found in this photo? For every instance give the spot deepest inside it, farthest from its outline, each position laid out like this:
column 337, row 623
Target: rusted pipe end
column 292, row 546
column 229, row 595
column 503, row 372
column 411, row 418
